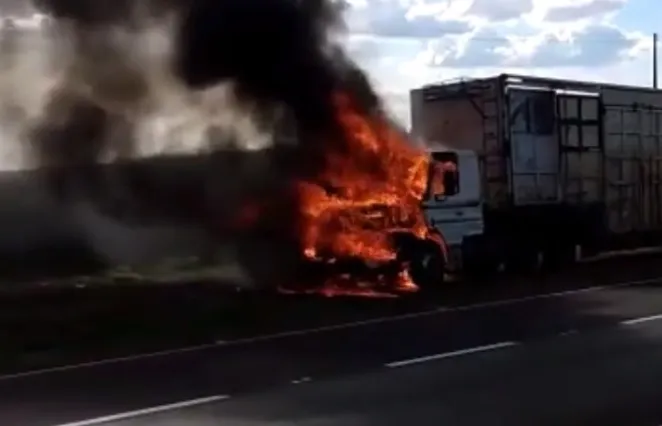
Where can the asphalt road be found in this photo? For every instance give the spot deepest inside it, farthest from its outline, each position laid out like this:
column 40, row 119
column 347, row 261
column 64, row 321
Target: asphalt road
column 601, row 378
column 573, row 358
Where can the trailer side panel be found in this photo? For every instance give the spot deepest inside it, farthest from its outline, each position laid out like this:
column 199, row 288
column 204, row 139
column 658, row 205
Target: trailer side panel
column 633, row 160
column 533, row 147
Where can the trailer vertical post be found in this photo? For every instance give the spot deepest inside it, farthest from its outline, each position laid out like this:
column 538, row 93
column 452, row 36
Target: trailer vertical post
column 655, row 60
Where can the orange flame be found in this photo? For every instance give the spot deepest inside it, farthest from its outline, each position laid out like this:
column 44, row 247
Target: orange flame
column 367, row 190
column 437, row 181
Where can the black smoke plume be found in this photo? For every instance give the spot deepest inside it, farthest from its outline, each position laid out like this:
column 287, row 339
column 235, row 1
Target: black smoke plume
column 275, row 50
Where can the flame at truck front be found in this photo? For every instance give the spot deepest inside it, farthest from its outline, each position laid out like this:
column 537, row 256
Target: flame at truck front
column 369, row 188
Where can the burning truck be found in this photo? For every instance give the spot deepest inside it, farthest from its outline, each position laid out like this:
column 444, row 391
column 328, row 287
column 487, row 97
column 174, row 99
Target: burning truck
column 340, row 208
column 358, row 223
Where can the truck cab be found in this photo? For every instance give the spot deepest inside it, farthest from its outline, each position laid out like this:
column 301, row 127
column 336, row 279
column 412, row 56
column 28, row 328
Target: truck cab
column 457, row 213
column 453, row 208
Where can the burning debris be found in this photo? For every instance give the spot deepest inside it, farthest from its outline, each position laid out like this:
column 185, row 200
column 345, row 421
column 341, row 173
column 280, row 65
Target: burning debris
column 324, row 215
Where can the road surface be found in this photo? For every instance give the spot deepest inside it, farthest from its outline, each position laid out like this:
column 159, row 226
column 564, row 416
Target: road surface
column 584, row 357
column 601, row 378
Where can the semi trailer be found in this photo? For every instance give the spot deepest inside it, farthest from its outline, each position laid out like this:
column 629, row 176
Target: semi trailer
column 549, row 170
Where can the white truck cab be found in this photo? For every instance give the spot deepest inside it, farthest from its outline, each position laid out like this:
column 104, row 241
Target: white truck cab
column 458, row 213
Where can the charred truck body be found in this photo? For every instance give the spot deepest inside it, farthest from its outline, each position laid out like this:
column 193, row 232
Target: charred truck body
column 561, row 164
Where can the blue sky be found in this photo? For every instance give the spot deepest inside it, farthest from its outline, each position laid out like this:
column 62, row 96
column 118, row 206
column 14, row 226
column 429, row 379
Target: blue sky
column 407, row 43
column 643, row 15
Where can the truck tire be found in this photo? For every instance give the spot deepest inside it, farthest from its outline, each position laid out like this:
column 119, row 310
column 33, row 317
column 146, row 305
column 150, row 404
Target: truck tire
column 426, row 263
column 427, row 270
column 425, row 259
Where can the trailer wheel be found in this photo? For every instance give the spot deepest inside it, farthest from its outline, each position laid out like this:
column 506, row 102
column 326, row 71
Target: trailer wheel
column 522, row 259
column 480, row 261
column 559, row 256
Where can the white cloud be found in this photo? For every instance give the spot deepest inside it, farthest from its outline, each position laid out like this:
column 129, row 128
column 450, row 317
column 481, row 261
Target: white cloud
column 503, row 10
column 407, row 43
column 393, row 18
column 583, row 9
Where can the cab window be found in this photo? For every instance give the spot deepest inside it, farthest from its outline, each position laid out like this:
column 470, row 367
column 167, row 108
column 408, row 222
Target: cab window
column 445, row 179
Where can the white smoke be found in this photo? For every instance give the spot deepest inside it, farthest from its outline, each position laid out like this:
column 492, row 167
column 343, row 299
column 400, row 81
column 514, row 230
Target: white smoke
column 126, row 71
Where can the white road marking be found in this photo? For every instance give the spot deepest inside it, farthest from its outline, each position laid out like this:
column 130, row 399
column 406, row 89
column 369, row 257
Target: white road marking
column 453, row 354
column 568, row 333
column 146, row 411
column 317, row 330
column 635, row 321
